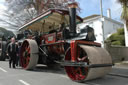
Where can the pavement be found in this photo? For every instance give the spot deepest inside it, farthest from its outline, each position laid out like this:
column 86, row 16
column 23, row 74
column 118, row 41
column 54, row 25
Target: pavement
column 122, row 64
column 120, row 69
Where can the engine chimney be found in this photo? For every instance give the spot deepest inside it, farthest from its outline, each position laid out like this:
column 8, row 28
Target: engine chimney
column 72, row 18
column 108, row 13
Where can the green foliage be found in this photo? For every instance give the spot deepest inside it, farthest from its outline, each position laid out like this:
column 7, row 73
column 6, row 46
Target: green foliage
column 117, row 38
column 120, row 31
column 116, row 43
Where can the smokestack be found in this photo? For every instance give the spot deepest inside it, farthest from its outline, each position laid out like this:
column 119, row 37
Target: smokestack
column 108, row 13
column 72, row 17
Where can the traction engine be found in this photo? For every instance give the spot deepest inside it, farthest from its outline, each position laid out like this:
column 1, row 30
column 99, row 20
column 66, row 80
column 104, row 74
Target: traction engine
column 82, row 58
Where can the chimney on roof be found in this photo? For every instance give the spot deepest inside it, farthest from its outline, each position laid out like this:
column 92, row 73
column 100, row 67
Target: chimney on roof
column 109, row 13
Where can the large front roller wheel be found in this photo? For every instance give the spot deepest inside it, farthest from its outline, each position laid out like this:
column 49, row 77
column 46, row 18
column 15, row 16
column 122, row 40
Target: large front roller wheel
column 91, row 56
column 29, row 54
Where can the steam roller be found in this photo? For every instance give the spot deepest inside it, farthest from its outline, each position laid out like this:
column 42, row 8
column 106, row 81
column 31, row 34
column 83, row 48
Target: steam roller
column 82, row 58
column 81, row 61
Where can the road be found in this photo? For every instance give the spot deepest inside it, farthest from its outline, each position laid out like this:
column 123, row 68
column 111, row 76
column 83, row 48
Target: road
column 42, row 75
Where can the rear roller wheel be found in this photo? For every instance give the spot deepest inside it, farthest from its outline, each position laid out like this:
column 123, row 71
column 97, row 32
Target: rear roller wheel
column 29, row 54
column 89, row 55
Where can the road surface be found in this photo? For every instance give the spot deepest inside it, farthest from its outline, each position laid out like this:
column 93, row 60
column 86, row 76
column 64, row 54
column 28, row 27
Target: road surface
column 42, row 75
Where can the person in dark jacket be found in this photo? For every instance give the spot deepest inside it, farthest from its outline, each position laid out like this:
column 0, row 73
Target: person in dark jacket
column 12, row 52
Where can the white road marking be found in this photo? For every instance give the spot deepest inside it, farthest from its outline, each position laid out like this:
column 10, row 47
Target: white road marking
column 2, row 69
column 23, row 82
column 64, row 76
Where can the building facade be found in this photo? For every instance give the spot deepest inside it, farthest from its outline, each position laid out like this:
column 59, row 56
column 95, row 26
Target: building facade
column 109, row 26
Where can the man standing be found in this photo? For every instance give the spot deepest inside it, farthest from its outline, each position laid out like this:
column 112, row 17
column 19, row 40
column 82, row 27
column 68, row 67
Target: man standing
column 12, row 52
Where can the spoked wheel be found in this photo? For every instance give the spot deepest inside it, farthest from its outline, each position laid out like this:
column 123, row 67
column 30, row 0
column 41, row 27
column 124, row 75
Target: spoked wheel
column 91, row 56
column 29, row 54
column 77, row 73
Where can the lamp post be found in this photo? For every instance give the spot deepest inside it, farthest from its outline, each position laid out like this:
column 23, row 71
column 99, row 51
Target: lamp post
column 102, row 22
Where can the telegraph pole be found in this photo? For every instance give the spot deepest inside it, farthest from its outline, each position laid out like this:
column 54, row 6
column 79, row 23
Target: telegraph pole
column 102, row 21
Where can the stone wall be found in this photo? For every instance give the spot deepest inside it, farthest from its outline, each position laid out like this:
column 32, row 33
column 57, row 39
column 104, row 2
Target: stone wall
column 118, row 53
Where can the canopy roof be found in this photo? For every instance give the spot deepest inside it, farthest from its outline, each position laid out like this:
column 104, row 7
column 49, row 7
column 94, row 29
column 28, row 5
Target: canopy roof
column 49, row 20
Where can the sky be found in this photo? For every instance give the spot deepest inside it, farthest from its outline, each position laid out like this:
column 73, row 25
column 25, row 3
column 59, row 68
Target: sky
column 88, row 7
column 2, row 8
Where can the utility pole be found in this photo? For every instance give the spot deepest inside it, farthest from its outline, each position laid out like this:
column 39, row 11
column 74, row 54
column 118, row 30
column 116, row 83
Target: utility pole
column 102, row 21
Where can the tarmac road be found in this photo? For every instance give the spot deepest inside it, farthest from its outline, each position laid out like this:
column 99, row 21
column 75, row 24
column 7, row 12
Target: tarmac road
column 53, row 76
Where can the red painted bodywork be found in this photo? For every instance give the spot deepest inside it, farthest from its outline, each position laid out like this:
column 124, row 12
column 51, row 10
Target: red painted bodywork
column 55, row 44
column 74, row 47
column 50, row 38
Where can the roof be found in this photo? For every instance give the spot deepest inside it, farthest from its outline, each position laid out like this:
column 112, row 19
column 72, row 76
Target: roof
column 49, row 20
column 95, row 16
column 90, row 17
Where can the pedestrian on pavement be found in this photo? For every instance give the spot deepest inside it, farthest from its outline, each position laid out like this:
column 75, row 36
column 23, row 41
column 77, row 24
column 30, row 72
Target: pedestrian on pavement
column 12, row 52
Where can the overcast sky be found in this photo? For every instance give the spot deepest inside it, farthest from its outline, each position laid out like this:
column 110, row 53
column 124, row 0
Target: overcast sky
column 2, row 6
column 88, row 7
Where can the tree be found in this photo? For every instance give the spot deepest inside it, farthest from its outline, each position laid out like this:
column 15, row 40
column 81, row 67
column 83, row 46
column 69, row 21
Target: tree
column 38, row 5
column 22, row 11
column 17, row 13
column 5, row 33
column 125, row 10
column 117, row 38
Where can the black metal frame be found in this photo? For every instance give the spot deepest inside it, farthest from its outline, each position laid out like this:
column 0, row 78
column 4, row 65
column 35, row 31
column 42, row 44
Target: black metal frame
column 83, row 64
